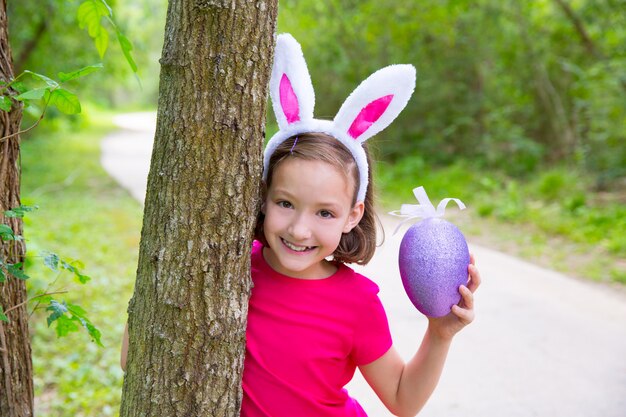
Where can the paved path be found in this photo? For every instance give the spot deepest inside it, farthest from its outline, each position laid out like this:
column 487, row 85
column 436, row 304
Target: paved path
column 543, row 344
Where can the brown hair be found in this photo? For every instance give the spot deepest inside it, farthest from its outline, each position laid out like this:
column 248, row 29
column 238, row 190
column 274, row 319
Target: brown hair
column 359, row 244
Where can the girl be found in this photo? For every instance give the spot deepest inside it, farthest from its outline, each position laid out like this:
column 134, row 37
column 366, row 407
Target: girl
column 312, row 320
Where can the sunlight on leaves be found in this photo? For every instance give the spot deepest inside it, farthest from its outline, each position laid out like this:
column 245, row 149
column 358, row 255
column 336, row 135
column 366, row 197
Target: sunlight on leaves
column 65, row 101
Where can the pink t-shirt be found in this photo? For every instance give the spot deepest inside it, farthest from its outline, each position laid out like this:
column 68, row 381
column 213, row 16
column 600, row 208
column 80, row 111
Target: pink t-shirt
column 305, row 339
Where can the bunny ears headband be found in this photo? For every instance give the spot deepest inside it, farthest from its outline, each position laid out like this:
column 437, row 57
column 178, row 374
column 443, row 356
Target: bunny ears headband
column 370, row 108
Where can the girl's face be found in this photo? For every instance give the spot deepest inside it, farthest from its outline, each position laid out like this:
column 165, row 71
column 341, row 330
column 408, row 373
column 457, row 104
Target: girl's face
column 307, row 208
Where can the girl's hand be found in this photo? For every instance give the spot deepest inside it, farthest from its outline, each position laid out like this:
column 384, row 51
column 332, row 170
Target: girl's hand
column 462, row 314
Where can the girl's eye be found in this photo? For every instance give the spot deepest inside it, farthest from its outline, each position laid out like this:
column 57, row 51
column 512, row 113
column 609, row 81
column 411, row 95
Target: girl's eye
column 284, row 204
column 326, row 214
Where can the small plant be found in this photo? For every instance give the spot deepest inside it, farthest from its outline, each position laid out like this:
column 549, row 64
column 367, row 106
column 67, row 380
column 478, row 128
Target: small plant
column 51, row 92
column 90, row 15
column 67, row 317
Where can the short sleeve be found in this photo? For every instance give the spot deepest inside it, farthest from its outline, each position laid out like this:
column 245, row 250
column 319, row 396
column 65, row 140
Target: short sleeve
column 372, row 338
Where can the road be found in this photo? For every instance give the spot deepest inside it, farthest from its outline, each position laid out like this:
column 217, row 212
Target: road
column 543, row 344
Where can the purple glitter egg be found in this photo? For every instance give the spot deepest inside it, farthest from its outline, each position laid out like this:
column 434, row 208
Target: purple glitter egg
column 433, row 264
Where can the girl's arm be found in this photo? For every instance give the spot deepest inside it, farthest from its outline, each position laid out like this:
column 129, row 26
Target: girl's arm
column 404, row 388
column 124, row 348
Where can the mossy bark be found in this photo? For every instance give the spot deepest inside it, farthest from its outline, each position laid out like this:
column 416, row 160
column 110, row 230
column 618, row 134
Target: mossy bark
column 188, row 314
column 16, row 375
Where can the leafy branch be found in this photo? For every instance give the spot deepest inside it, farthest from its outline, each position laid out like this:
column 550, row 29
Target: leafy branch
column 67, row 317
column 90, row 15
column 28, row 301
column 48, row 90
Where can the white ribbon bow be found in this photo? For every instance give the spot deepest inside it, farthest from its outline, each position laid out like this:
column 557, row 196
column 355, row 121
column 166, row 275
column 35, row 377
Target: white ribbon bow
column 424, row 209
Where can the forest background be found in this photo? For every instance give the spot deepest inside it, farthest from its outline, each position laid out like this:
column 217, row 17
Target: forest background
column 519, row 110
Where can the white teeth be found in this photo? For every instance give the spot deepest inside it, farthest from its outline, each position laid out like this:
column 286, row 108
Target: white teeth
column 294, row 247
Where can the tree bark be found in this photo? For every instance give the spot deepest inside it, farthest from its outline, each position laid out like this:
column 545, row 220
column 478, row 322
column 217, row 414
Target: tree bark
column 188, row 313
column 16, row 379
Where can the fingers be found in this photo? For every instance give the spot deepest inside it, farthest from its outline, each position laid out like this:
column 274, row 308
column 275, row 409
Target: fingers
column 466, row 316
column 467, row 297
column 474, row 277
column 465, row 309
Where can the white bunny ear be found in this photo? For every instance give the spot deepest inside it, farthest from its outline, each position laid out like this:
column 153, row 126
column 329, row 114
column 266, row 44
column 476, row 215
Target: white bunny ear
column 291, row 89
column 376, row 102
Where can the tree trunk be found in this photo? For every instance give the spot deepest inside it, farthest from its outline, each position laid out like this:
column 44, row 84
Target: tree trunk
column 30, row 46
column 188, row 314
column 579, row 26
column 561, row 140
column 16, row 375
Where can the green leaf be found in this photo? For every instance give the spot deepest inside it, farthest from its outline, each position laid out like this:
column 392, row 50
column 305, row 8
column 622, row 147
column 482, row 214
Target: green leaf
column 16, row 271
column 77, row 310
column 6, row 104
column 104, row 4
column 127, row 46
column 47, row 80
column 34, row 94
column 51, row 260
column 83, row 279
column 94, row 333
column 90, row 12
column 81, row 315
column 66, row 325
column 20, row 211
column 89, row 15
column 58, row 310
column 3, row 276
column 102, row 41
column 65, row 101
column 2, row 316
column 77, row 263
column 54, row 262
column 64, row 77
column 73, row 267
column 6, row 233
column 19, row 87
column 95, row 28
column 68, row 266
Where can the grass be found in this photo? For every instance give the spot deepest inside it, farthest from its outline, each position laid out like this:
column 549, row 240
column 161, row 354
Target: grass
column 82, row 215
column 552, row 219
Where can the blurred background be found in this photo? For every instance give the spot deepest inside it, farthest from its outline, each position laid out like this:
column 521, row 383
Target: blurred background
column 519, row 110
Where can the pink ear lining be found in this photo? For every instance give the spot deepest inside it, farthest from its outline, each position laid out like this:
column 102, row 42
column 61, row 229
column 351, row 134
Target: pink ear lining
column 289, row 100
column 368, row 115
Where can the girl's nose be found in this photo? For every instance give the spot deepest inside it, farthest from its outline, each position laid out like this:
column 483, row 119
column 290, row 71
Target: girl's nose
column 299, row 228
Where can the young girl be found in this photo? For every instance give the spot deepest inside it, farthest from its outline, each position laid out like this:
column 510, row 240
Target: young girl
column 312, row 320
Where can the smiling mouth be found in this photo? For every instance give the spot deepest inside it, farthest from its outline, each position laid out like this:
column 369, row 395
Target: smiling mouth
column 296, row 248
